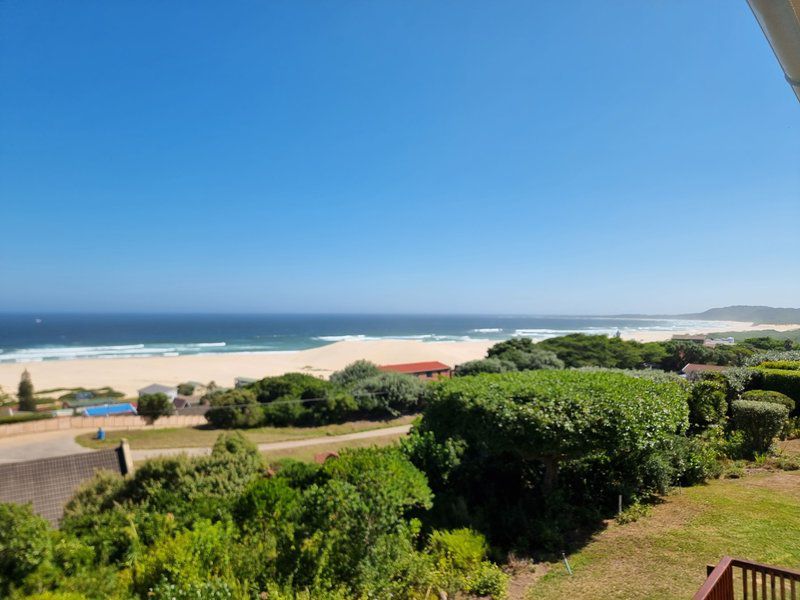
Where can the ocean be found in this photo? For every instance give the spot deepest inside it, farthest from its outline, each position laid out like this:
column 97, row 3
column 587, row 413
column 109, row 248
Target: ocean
column 37, row 337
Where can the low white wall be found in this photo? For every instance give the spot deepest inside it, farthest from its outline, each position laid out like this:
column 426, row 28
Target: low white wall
column 109, row 423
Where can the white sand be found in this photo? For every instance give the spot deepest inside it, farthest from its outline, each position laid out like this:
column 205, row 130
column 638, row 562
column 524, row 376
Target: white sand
column 720, row 326
column 129, row 374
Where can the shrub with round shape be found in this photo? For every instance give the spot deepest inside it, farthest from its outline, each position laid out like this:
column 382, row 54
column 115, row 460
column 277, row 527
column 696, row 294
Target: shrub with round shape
column 759, row 423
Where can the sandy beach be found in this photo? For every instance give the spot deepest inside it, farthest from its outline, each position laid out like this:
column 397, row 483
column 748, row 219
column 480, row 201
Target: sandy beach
column 129, row 374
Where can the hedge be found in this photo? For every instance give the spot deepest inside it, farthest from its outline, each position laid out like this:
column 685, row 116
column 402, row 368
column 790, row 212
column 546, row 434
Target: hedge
column 785, row 381
column 551, row 412
column 22, row 417
column 759, row 422
column 785, row 365
column 769, row 396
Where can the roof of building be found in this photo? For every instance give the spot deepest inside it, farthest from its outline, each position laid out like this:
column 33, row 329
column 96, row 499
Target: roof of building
column 417, row 367
column 125, row 408
column 181, row 401
column 697, row 368
column 157, row 388
column 49, row 483
column 689, row 338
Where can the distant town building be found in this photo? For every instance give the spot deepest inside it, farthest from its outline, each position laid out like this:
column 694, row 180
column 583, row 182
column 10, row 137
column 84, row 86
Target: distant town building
column 48, row 483
column 712, row 342
column 423, row 370
column 241, row 382
column 694, row 369
column 157, row 388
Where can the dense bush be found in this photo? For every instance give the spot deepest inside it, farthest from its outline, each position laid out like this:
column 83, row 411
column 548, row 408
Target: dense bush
column 25, row 544
column 494, row 443
column 785, row 365
column 484, row 365
column 291, row 399
column 785, row 381
column 770, row 396
column 220, row 527
column 154, row 406
column 759, row 424
column 22, row 417
column 581, row 350
column 389, row 394
column 525, row 355
column 708, row 404
column 354, row 373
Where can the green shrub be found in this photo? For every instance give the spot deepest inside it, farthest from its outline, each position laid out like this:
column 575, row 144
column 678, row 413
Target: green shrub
column 22, row 417
column 785, row 381
column 154, row 406
column 461, row 549
column 390, row 394
column 354, row 373
column 708, row 404
column 633, row 513
column 488, row 580
column 186, row 389
column 524, row 355
column 25, row 543
column 783, row 365
column 769, row 396
column 759, row 422
column 484, row 365
column 521, row 456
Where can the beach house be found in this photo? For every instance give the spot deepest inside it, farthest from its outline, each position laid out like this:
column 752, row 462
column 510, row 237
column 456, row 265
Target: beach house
column 423, row 370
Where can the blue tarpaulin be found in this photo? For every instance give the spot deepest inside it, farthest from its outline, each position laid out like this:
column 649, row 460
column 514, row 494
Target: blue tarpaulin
column 110, row 409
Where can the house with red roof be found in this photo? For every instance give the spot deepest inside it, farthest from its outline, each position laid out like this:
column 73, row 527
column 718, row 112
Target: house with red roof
column 423, row 370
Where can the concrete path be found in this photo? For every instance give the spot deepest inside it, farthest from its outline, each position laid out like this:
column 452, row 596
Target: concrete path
column 62, row 443
column 139, row 455
column 41, row 445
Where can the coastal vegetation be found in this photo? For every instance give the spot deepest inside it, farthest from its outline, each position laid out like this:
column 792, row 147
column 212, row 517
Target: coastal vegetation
column 25, row 393
column 360, row 391
column 530, row 461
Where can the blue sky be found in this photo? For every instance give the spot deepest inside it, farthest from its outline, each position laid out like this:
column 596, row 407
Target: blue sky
column 406, row 156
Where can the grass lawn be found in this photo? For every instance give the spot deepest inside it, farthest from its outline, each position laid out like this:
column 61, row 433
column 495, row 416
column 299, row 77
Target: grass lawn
column 664, row 555
column 307, row 454
column 190, row 437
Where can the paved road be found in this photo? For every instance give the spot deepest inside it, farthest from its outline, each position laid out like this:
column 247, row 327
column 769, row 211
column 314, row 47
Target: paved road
column 139, row 455
column 61, row 443
column 41, row 445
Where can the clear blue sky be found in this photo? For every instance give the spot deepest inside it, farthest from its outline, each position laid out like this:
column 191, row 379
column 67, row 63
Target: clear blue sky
column 405, row 156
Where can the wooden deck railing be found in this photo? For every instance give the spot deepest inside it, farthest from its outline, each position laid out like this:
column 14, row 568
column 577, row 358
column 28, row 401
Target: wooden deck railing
column 736, row 579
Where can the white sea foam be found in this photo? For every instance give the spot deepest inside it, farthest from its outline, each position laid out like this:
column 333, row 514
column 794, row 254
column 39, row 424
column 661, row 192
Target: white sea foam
column 488, row 330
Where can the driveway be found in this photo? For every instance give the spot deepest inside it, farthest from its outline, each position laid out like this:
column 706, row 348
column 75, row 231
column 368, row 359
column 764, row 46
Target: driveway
column 61, row 443
column 41, row 445
column 139, row 455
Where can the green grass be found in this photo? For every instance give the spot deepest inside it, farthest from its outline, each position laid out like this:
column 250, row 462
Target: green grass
column 309, row 452
column 664, row 555
column 189, row 437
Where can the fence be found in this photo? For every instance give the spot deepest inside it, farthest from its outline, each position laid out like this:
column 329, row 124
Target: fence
column 111, row 422
column 736, row 579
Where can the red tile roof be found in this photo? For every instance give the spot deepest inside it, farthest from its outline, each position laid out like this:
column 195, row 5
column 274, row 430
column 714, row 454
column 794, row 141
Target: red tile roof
column 696, row 368
column 418, row 367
